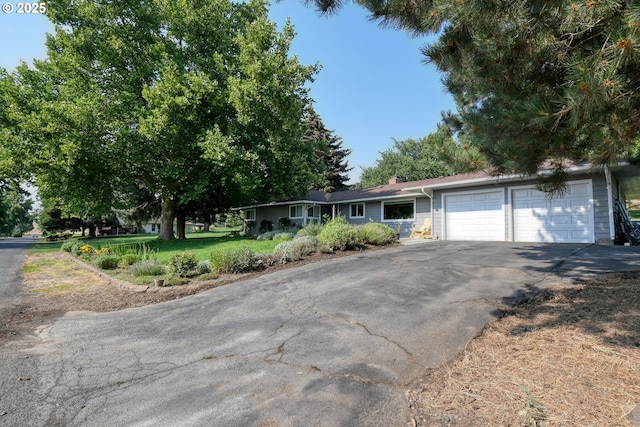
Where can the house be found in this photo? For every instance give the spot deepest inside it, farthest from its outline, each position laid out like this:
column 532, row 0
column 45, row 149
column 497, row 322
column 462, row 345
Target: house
column 153, row 227
column 475, row 206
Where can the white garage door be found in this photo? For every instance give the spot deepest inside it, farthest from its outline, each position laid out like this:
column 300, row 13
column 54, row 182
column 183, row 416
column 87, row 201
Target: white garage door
column 567, row 219
column 474, row 216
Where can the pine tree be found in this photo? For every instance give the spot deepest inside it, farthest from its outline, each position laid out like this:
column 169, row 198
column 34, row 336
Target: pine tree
column 332, row 157
column 533, row 79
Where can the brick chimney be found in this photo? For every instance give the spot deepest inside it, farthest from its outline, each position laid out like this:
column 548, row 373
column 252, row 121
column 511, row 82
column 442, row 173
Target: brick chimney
column 395, row 180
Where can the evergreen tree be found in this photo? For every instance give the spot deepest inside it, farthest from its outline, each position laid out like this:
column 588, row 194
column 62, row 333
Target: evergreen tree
column 332, row 157
column 533, row 79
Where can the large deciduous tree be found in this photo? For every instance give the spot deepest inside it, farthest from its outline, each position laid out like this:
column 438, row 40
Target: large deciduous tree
column 15, row 207
column 533, row 79
column 191, row 102
column 436, row 155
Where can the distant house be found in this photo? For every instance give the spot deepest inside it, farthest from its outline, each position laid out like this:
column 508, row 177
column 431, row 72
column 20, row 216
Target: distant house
column 475, row 206
column 153, row 227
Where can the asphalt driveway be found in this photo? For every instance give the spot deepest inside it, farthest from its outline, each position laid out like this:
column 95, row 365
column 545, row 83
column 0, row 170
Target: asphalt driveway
column 332, row 344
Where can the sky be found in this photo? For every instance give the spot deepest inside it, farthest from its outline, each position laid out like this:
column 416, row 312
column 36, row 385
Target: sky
column 373, row 86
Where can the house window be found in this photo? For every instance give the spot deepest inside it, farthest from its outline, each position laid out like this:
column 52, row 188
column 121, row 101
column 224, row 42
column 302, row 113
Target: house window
column 250, row 214
column 392, row 211
column 313, row 212
column 153, row 227
column 357, row 210
column 295, row 211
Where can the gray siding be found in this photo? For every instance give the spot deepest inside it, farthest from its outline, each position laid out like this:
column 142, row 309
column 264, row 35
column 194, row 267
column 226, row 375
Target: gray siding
column 269, row 213
column 373, row 213
column 373, row 209
column 600, row 209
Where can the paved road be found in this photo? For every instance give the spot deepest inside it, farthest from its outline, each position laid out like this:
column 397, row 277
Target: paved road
column 328, row 344
column 13, row 364
column 12, row 253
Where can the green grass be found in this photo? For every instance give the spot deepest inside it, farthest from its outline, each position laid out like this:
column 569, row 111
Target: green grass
column 201, row 244
column 634, row 214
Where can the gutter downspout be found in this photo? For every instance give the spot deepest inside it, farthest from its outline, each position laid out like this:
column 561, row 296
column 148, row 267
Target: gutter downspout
column 430, row 196
column 607, row 175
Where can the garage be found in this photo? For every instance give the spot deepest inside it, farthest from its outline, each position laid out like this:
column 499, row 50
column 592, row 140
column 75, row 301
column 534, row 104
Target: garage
column 474, row 216
column 565, row 219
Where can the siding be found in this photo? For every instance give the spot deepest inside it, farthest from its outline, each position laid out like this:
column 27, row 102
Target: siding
column 600, row 208
column 269, row 213
column 373, row 213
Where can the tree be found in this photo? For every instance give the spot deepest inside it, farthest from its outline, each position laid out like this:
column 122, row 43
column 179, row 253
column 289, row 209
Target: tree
column 15, row 207
column 329, row 149
column 412, row 160
column 533, row 80
column 167, row 99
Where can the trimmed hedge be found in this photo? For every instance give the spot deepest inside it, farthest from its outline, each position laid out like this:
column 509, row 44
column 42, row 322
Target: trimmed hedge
column 338, row 234
column 374, row 233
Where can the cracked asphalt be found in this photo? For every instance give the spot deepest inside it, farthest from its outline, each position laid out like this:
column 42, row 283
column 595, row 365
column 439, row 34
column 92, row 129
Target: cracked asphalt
column 334, row 343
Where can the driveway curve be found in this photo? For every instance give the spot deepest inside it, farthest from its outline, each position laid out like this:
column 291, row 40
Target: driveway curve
column 333, row 343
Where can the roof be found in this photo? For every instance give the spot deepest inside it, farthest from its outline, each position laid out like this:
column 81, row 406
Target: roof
column 426, row 186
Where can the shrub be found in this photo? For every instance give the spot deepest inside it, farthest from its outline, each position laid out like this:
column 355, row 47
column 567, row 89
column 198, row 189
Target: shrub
column 75, row 248
column 283, row 236
column 203, row 267
column 107, row 262
column 86, row 252
column 207, row 276
column 142, row 250
column 68, row 245
column 233, row 260
column 183, row 264
column 284, row 222
column 269, row 260
column 377, row 234
column 129, row 259
column 298, row 247
column 267, row 235
column 265, row 225
column 311, row 229
column 338, row 234
column 147, row 268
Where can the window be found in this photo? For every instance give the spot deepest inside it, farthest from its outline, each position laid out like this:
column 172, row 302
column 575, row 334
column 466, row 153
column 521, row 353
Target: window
column 295, row 211
column 313, row 212
column 392, row 211
column 153, row 227
column 250, row 215
column 357, row 210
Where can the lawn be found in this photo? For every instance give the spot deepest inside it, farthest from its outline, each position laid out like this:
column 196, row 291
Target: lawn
column 201, row 244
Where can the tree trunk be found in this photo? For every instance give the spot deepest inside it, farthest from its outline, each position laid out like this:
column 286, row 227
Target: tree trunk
column 167, row 215
column 182, row 225
column 92, row 231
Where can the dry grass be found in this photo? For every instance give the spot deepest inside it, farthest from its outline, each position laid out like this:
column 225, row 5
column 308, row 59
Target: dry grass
column 53, row 275
column 571, row 358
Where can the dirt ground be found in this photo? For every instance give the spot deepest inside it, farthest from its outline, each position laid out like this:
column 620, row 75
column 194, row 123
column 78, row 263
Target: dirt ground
column 567, row 358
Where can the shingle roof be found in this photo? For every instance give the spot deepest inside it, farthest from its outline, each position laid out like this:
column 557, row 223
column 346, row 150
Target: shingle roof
column 407, row 189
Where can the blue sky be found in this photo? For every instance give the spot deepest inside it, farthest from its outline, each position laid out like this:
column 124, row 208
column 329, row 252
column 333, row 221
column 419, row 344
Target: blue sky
column 373, row 86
